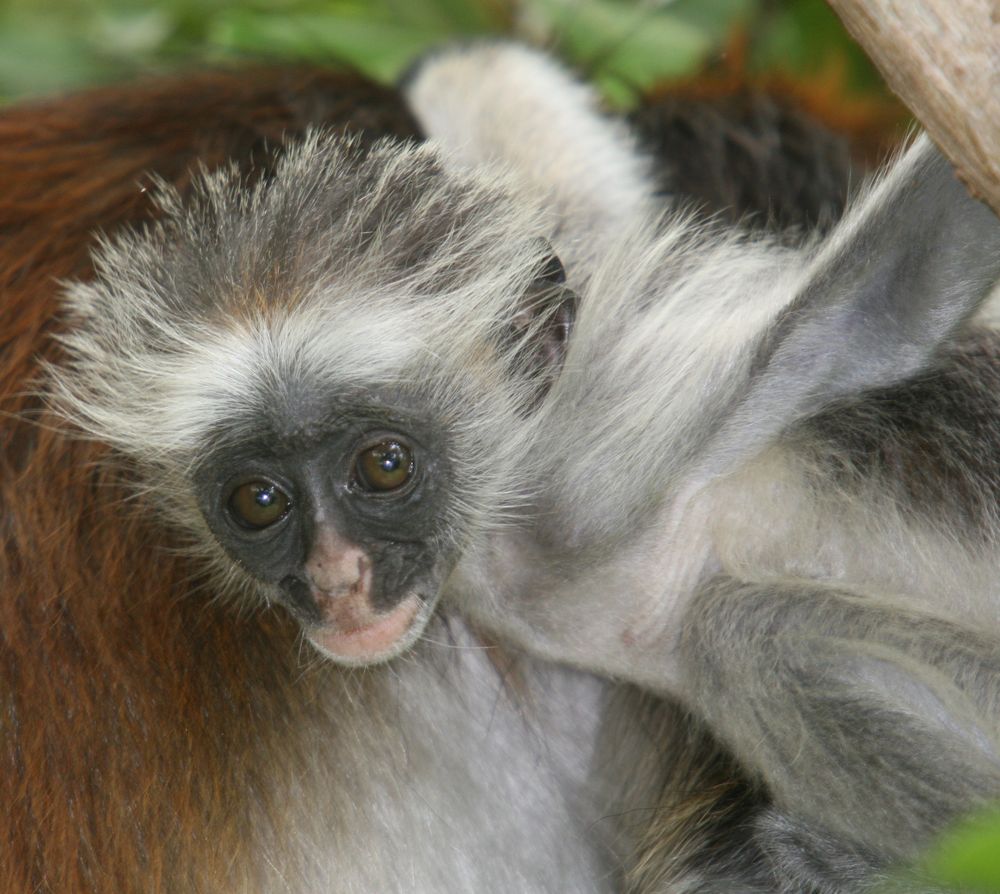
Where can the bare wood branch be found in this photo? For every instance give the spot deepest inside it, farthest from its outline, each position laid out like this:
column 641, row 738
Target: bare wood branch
column 943, row 59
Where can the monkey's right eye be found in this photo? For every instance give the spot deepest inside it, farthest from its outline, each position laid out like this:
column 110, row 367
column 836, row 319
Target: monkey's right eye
column 258, row 504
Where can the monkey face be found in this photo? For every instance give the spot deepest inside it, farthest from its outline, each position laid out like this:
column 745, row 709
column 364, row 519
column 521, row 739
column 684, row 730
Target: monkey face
column 345, row 521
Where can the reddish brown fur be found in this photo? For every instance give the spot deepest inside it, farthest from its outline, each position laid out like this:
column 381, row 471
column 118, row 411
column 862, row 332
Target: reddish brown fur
column 144, row 729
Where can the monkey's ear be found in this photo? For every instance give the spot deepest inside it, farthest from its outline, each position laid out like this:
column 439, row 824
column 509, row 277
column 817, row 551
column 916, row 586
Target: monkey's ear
column 889, row 286
column 542, row 325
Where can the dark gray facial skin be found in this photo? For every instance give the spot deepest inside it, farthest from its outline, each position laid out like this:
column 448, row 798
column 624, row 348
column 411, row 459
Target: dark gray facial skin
column 359, row 568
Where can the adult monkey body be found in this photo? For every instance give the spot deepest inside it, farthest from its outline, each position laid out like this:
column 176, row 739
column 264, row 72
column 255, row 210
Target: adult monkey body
column 154, row 739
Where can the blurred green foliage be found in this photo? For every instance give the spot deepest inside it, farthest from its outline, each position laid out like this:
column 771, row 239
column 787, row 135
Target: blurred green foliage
column 968, row 857
column 966, row 860
column 624, row 45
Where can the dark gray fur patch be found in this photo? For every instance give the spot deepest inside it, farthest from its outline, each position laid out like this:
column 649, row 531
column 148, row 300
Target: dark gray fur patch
column 749, row 158
column 351, row 208
column 808, row 858
column 933, row 443
column 717, row 843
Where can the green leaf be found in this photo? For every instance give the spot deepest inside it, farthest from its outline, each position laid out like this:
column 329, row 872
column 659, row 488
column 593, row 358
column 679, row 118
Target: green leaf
column 131, row 34
column 968, row 857
column 627, row 46
column 38, row 57
column 456, row 16
column 802, row 36
column 716, row 18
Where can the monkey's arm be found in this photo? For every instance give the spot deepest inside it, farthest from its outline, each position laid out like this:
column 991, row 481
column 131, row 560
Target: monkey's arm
column 872, row 722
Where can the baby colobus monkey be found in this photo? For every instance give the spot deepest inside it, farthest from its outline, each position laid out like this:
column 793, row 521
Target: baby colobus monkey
column 351, row 386
column 765, row 484
column 320, row 376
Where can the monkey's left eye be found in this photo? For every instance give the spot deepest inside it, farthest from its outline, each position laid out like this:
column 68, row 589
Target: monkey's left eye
column 258, row 504
column 383, row 467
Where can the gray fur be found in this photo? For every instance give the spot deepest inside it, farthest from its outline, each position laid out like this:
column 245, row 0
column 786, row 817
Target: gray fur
column 850, row 662
column 701, row 526
column 441, row 775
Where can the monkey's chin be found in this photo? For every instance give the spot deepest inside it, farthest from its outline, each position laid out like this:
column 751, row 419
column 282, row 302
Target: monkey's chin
column 384, row 638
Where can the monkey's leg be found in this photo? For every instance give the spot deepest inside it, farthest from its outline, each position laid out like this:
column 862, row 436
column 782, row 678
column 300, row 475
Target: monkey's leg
column 496, row 103
column 867, row 720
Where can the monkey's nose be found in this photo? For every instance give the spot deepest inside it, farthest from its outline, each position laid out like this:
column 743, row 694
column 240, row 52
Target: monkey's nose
column 336, row 567
column 348, row 578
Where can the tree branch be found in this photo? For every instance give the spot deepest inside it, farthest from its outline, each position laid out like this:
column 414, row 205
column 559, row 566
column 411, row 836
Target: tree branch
column 943, row 59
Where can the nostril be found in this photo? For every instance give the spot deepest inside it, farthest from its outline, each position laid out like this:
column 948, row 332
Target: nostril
column 300, row 596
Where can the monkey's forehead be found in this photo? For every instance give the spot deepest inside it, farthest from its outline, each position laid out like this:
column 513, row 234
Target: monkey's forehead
column 297, row 421
column 319, row 364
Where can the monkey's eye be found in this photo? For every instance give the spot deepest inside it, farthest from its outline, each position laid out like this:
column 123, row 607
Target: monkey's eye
column 258, row 504
column 385, row 466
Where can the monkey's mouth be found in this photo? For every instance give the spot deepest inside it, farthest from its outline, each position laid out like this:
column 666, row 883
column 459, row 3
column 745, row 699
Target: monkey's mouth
column 357, row 638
